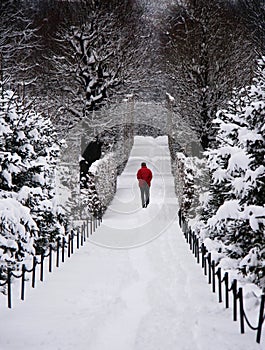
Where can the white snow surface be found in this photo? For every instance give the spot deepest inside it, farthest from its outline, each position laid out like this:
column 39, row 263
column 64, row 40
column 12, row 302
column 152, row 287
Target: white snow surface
column 134, row 286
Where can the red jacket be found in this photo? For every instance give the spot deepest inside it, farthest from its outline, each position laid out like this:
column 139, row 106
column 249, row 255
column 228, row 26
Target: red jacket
column 144, row 175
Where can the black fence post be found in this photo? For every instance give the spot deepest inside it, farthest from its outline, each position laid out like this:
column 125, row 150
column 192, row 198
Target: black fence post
column 261, row 317
column 82, row 235
column 72, row 242
column 226, row 279
column 219, row 276
column 203, row 251
column 205, row 265
column 50, row 258
column 87, row 227
column 63, row 247
column 209, row 258
column 69, row 245
column 9, row 296
column 213, row 275
column 198, row 250
column 34, row 272
column 77, row 238
column 194, row 244
column 179, row 215
column 58, row 252
column 241, row 310
column 23, row 282
column 41, row 266
column 234, row 290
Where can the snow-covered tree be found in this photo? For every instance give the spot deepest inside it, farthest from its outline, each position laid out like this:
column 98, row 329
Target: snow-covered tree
column 236, row 208
column 69, row 57
column 253, row 14
column 87, row 67
column 28, row 154
column 92, row 57
column 202, row 67
column 18, row 44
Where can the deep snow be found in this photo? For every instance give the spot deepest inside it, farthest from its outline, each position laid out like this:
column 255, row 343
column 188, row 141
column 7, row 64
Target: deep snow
column 134, row 286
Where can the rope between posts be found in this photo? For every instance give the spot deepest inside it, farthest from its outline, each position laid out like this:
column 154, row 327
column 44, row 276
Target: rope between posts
column 232, row 288
column 16, row 276
column 30, row 270
column 248, row 322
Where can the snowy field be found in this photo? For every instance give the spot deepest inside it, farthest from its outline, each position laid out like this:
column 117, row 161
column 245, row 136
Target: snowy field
column 134, row 286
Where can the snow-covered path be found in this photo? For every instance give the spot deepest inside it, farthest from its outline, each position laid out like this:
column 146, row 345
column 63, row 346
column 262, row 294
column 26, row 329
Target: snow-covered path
column 136, row 286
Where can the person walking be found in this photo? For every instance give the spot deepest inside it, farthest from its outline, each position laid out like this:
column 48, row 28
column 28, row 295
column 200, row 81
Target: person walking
column 144, row 176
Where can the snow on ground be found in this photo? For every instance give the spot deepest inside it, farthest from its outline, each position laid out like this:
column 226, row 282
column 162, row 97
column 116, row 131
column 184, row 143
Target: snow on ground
column 134, row 286
column 127, row 224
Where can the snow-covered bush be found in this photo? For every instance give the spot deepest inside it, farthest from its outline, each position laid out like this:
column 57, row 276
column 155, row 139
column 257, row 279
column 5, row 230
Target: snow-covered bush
column 90, row 203
column 184, row 182
column 235, row 212
column 191, row 180
column 28, row 155
column 18, row 231
column 98, row 187
column 105, row 173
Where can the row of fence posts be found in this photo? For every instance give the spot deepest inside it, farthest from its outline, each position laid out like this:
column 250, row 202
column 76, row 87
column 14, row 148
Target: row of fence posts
column 64, row 247
column 215, row 278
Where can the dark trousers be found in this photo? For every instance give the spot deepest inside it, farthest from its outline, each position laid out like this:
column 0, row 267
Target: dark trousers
column 145, row 195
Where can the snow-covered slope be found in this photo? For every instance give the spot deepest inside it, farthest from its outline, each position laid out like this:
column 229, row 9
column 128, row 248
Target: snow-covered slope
column 149, row 294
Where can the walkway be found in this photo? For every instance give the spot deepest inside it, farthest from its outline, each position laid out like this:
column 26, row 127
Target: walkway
column 136, row 286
